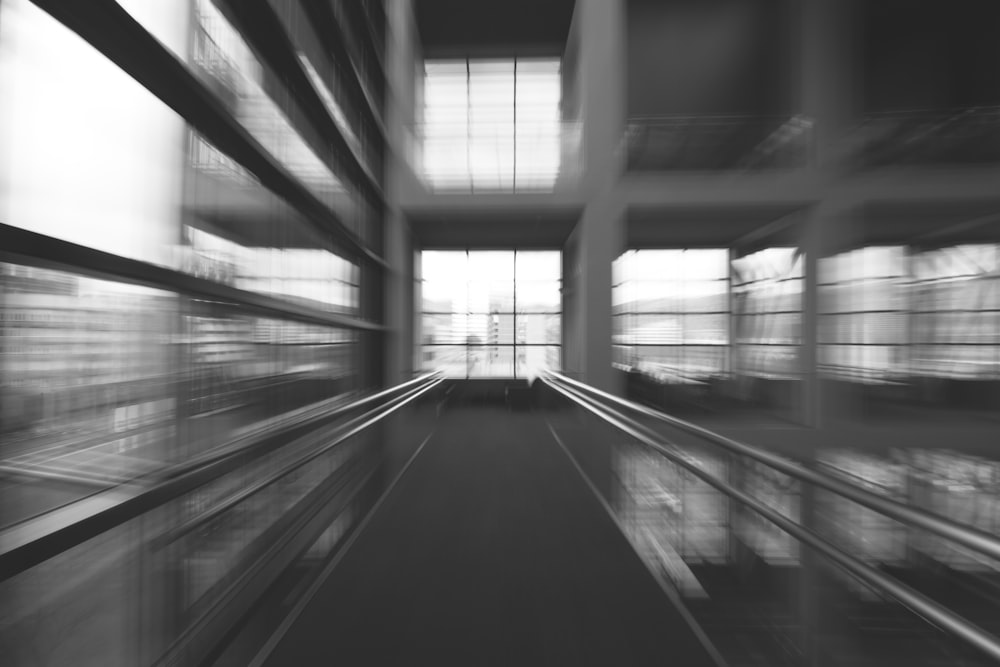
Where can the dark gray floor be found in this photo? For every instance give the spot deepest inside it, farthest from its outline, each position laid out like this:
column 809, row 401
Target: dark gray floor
column 490, row 551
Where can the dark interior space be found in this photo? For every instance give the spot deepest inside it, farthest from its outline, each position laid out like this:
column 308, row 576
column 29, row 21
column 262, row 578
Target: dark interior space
column 928, row 54
column 718, row 57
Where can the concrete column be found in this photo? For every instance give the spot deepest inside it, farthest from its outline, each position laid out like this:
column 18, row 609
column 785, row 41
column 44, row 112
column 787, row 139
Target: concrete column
column 827, row 89
column 599, row 28
column 402, row 58
column 828, row 228
column 827, row 95
column 597, row 241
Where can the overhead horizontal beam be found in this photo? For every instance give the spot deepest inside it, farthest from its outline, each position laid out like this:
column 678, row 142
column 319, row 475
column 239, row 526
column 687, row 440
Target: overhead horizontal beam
column 729, row 225
column 30, row 248
column 495, row 227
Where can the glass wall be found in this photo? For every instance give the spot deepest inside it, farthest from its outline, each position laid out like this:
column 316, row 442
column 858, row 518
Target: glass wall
column 159, row 304
column 908, row 322
column 863, row 319
column 491, row 124
column 491, row 313
column 955, row 301
column 767, row 313
column 96, row 375
column 705, row 329
column 897, row 313
column 671, row 314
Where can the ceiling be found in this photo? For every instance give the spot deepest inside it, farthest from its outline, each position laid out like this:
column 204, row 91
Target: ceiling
column 480, row 28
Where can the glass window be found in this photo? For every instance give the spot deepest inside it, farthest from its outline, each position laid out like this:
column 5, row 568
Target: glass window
column 492, row 124
column 491, row 313
column 767, row 312
column 955, row 298
column 671, row 313
column 863, row 335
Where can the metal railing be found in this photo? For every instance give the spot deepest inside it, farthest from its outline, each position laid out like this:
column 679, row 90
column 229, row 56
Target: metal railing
column 709, row 143
column 26, row 545
column 926, row 137
column 596, row 402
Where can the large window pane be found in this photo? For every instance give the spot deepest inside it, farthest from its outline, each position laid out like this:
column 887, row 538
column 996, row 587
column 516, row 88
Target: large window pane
column 62, row 142
column 488, row 296
column 446, row 329
column 532, row 359
column 500, row 329
column 469, row 299
column 955, row 293
column 537, row 266
column 537, row 128
column 863, row 299
column 677, row 298
column 491, row 361
column 538, row 329
column 538, row 297
column 444, row 266
column 449, row 359
column 492, row 124
column 767, row 312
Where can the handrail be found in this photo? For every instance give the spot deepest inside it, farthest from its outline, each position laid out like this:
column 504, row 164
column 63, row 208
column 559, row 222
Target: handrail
column 18, row 555
column 970, row 538
column 920, row 604
column 225, row 452
column 348, row 430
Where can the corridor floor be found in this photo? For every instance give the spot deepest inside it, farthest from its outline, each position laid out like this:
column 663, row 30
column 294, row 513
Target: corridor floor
column 491, row 550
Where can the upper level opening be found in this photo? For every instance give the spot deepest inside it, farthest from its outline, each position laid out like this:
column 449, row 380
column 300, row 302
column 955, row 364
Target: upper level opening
column 491, row 125
column 710, row 86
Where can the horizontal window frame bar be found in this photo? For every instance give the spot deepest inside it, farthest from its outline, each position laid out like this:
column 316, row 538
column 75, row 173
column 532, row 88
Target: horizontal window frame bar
column 756, row 313
column 713, row 345
column 328, row 29
column 499, row 312
column 835, row 313
column 19, row 246
column 766, row 281
column 256, row 21
column 954, row 310
column 482, row 345
column 673, row 312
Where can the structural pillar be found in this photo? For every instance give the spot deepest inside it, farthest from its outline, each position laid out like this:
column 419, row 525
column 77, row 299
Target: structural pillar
column 826, row 94
column 598, row 29
column 402, row 58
